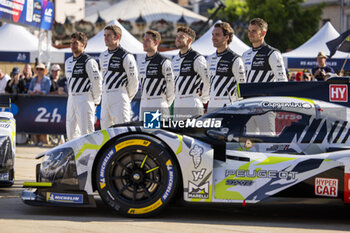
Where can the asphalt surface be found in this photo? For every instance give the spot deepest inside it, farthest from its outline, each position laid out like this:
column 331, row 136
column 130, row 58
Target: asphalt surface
column 179, row 217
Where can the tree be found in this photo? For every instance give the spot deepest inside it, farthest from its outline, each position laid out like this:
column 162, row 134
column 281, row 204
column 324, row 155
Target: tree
column 289, row 24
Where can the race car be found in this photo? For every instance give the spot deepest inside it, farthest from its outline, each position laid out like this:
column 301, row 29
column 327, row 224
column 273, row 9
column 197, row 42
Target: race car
column 7, row 148
column 254, row 150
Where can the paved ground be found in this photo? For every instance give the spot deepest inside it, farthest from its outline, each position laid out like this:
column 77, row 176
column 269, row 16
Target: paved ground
column 18, row 217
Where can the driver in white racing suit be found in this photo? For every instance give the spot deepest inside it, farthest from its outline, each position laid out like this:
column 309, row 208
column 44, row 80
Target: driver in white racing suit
column 157, row 78
column 120, row 79
column 84, row 89
column 191, row 77
column 263, row 63
column 226, row 68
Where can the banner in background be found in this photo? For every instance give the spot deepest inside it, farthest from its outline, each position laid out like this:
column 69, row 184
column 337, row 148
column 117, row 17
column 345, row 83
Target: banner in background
column 34, row 13
column 308, row 63
column 23, row 57
column 47, row 114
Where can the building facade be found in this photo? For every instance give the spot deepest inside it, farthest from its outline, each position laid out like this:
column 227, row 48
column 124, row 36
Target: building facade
column 335, row 11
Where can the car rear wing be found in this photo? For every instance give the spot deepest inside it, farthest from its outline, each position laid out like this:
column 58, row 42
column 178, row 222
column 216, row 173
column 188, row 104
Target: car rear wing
column 334, row 90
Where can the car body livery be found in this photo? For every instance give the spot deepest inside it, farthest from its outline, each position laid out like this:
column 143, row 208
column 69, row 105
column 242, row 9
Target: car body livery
column 213, row 159
column 7, row 148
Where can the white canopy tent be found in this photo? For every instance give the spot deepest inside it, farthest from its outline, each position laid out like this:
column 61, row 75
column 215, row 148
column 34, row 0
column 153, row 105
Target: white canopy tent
column 97, row 45
column 204, row 45
column 305, row 55
column 16, row 39
column 151, row 10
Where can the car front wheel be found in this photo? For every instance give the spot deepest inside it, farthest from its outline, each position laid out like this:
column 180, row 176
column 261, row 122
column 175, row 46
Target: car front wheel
column 137, row 176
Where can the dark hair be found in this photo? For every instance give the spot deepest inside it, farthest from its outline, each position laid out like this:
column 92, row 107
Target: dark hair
column 227, row 30
column 115, row 29
column 260, row 23
column 188, row 31
column 155, row 35
column 80, row 36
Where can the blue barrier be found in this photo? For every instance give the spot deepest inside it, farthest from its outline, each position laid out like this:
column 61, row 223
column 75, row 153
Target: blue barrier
column 47, row 114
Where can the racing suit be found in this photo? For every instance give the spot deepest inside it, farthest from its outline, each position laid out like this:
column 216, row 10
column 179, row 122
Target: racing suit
column 120, row 84
column 157, row 85
column 190, row 70
column 263, row 64
column 84, row 92
column 226, row 69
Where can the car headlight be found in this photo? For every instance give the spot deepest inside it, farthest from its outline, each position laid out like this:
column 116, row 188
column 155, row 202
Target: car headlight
column 59, row 167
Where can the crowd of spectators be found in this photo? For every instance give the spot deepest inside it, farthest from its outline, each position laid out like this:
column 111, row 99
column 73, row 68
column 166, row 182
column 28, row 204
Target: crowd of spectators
column 37, row 81
column 34, row 81
column 321, row 72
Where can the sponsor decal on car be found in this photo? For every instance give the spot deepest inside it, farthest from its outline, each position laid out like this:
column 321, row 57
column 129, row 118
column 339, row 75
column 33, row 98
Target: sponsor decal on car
column 261, row 174
column 327, row 187
column 198, row 175
column 338, row 93
column 196, row 154
column 279, row 105
column 200, row 191
column 239, row 182
column 64, row 198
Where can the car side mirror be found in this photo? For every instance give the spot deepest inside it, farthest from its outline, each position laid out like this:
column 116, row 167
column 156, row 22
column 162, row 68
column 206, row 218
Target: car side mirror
column 216, row 134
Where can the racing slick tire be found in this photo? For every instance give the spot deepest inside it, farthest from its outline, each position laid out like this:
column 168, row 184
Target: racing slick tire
column 137, row 176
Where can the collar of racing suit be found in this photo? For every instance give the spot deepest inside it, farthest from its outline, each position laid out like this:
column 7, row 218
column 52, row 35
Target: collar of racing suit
column 77, row 58
column 222, row 53
column 184, row 55
column 150, row 58
column 114, row 50
column 258, row 48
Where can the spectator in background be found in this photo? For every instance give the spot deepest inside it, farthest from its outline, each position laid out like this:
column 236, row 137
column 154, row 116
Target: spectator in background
column 15, row 85
column 62, row 86
column 4, row 78
column 299, row 76
column 322, row 69
column 307, row 77
column 55, row 79
column 62, row 81
column 292, row 77
column 40, row 84
column 27, row 75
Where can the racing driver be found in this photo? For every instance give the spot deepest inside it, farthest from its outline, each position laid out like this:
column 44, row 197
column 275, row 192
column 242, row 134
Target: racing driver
column 263, row 63
column 190, row 70
column 226, row 68
column 157, row 78
column 84, row 88
column 120, row 81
